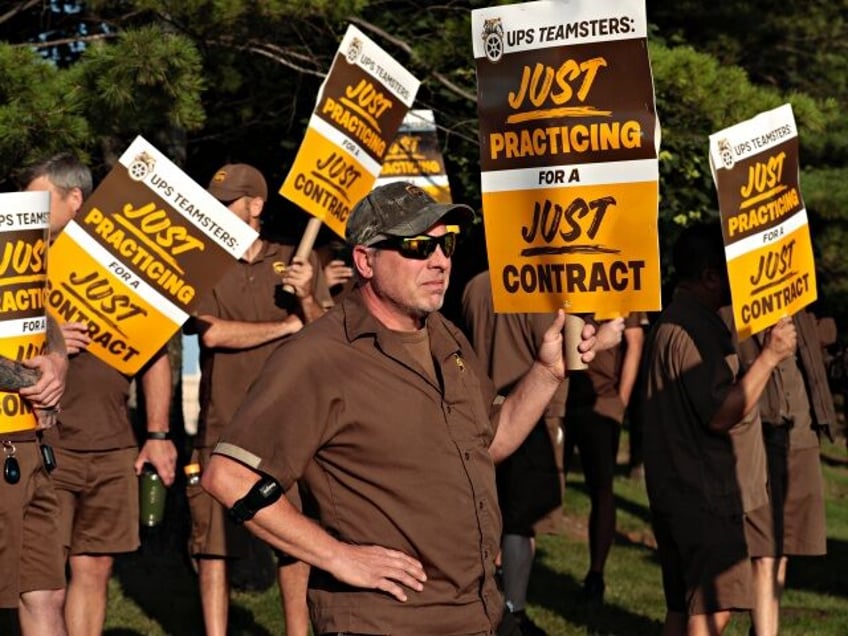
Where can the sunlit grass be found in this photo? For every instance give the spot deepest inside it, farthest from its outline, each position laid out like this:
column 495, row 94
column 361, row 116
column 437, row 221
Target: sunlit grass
column 155, row 592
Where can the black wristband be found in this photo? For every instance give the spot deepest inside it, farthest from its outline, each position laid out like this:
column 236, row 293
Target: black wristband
column 160, row 435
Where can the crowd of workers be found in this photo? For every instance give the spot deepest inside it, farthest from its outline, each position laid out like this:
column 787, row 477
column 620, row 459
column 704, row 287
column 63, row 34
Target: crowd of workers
column 399, row 465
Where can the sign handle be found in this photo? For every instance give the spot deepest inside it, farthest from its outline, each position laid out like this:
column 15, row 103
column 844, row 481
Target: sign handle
column 306, row 243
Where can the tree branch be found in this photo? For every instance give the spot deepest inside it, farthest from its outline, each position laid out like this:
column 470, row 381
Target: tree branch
column 383, row 34
column 78, row 38
column 11, row 13
column 272, row 52
column 401, row 44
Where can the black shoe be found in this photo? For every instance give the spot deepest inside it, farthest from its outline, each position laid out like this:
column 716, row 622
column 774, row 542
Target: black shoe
column 593, row 588
column 527, row 626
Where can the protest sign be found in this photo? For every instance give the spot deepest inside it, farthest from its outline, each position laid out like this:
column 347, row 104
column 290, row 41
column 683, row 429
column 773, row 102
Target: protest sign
column 24, row 222
column 766, row 234
column 360, row 106
column 568, row 154
column 415, row 156
column 142, row 251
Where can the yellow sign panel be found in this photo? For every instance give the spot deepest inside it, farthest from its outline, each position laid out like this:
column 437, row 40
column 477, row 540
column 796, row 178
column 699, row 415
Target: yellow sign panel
column 125, row 329
column 326, row 181
column 772, row 281
column 416, row 157
column 576, row 248
column 16, row 413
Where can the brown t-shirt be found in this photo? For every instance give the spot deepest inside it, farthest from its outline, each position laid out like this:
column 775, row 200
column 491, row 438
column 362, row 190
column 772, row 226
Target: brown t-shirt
column 796, row 394
column 95, row 415
column 597, row 388
column 689, row 366
column 515, row 337
column 250, row 292
column 391, row 458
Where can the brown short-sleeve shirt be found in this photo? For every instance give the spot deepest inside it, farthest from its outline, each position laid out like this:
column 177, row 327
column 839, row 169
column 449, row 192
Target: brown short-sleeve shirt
column 250, row 292
column 597, row 387
column 690, row 364
column 515, row 337
column 391, row 457
column 95, row 415
column 797, row 393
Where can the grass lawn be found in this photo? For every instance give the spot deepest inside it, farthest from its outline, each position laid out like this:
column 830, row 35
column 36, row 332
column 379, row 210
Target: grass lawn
column 155, row 591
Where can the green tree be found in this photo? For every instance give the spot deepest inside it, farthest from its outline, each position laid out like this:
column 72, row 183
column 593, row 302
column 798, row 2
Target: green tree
column 210, row 81
column 796, row 48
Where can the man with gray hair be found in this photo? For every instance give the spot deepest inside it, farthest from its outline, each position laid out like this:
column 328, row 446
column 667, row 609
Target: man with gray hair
column 383, row 412
column 96, row 451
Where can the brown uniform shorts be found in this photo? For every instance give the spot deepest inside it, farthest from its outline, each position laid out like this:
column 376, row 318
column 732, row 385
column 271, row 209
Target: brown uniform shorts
column 213, row 534
column 797, row 494
column 30, row 551
column 98, row 498
column 705, row 562
column 759, row 532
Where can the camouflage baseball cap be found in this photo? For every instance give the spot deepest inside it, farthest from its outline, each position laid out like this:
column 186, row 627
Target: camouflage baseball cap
column 399, row 209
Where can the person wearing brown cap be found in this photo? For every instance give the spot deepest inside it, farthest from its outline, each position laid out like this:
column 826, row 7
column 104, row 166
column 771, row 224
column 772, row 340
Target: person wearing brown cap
column 97, row 455
column 386, row 416
column 245, row 317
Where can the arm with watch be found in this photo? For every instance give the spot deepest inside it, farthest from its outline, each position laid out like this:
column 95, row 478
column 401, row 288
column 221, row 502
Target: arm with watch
column 157, row 449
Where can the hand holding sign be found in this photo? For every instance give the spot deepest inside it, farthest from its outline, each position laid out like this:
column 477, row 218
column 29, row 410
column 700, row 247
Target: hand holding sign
column 781, row 340
column 297, row 277
column 76, row 337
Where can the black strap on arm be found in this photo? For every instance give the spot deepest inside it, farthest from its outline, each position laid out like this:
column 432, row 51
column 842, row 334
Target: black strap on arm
column 264, row 492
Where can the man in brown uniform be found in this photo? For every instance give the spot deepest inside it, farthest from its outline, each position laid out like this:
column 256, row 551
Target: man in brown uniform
column 33, row 580
column 384, row 412
column 703, row 468
column 531, row 480
column 97, row 457
column 795, row 407
column 597, row 401
column 240, row 323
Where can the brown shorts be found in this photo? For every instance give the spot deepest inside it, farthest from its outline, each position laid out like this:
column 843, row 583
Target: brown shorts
column 804, row 531
column 797, row 493
column 705, row 562
column 98, row 497
column 30, row 551
column 213, row 534
column 759, row 532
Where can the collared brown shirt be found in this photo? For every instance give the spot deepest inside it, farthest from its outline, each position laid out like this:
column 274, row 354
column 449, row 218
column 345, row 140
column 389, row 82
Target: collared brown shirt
column 250, row 292
column 690, row 365
column 391, row 457
column 797, row 393
column 596, row 389
column 95, row 412
column 506, row 343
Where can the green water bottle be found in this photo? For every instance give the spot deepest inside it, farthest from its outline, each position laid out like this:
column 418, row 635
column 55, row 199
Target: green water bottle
column 151, row 493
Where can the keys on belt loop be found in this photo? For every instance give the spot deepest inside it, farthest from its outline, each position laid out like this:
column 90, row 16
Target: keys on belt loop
column 11, row 467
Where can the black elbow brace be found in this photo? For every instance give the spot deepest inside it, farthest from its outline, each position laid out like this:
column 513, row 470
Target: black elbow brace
column 264, row 493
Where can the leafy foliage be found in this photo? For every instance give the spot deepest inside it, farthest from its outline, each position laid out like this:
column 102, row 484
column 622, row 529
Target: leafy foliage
column 40, row 109
column 211, row 81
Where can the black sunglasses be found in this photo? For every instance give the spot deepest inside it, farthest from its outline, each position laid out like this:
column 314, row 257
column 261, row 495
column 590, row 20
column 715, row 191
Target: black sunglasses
column 421, row 247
